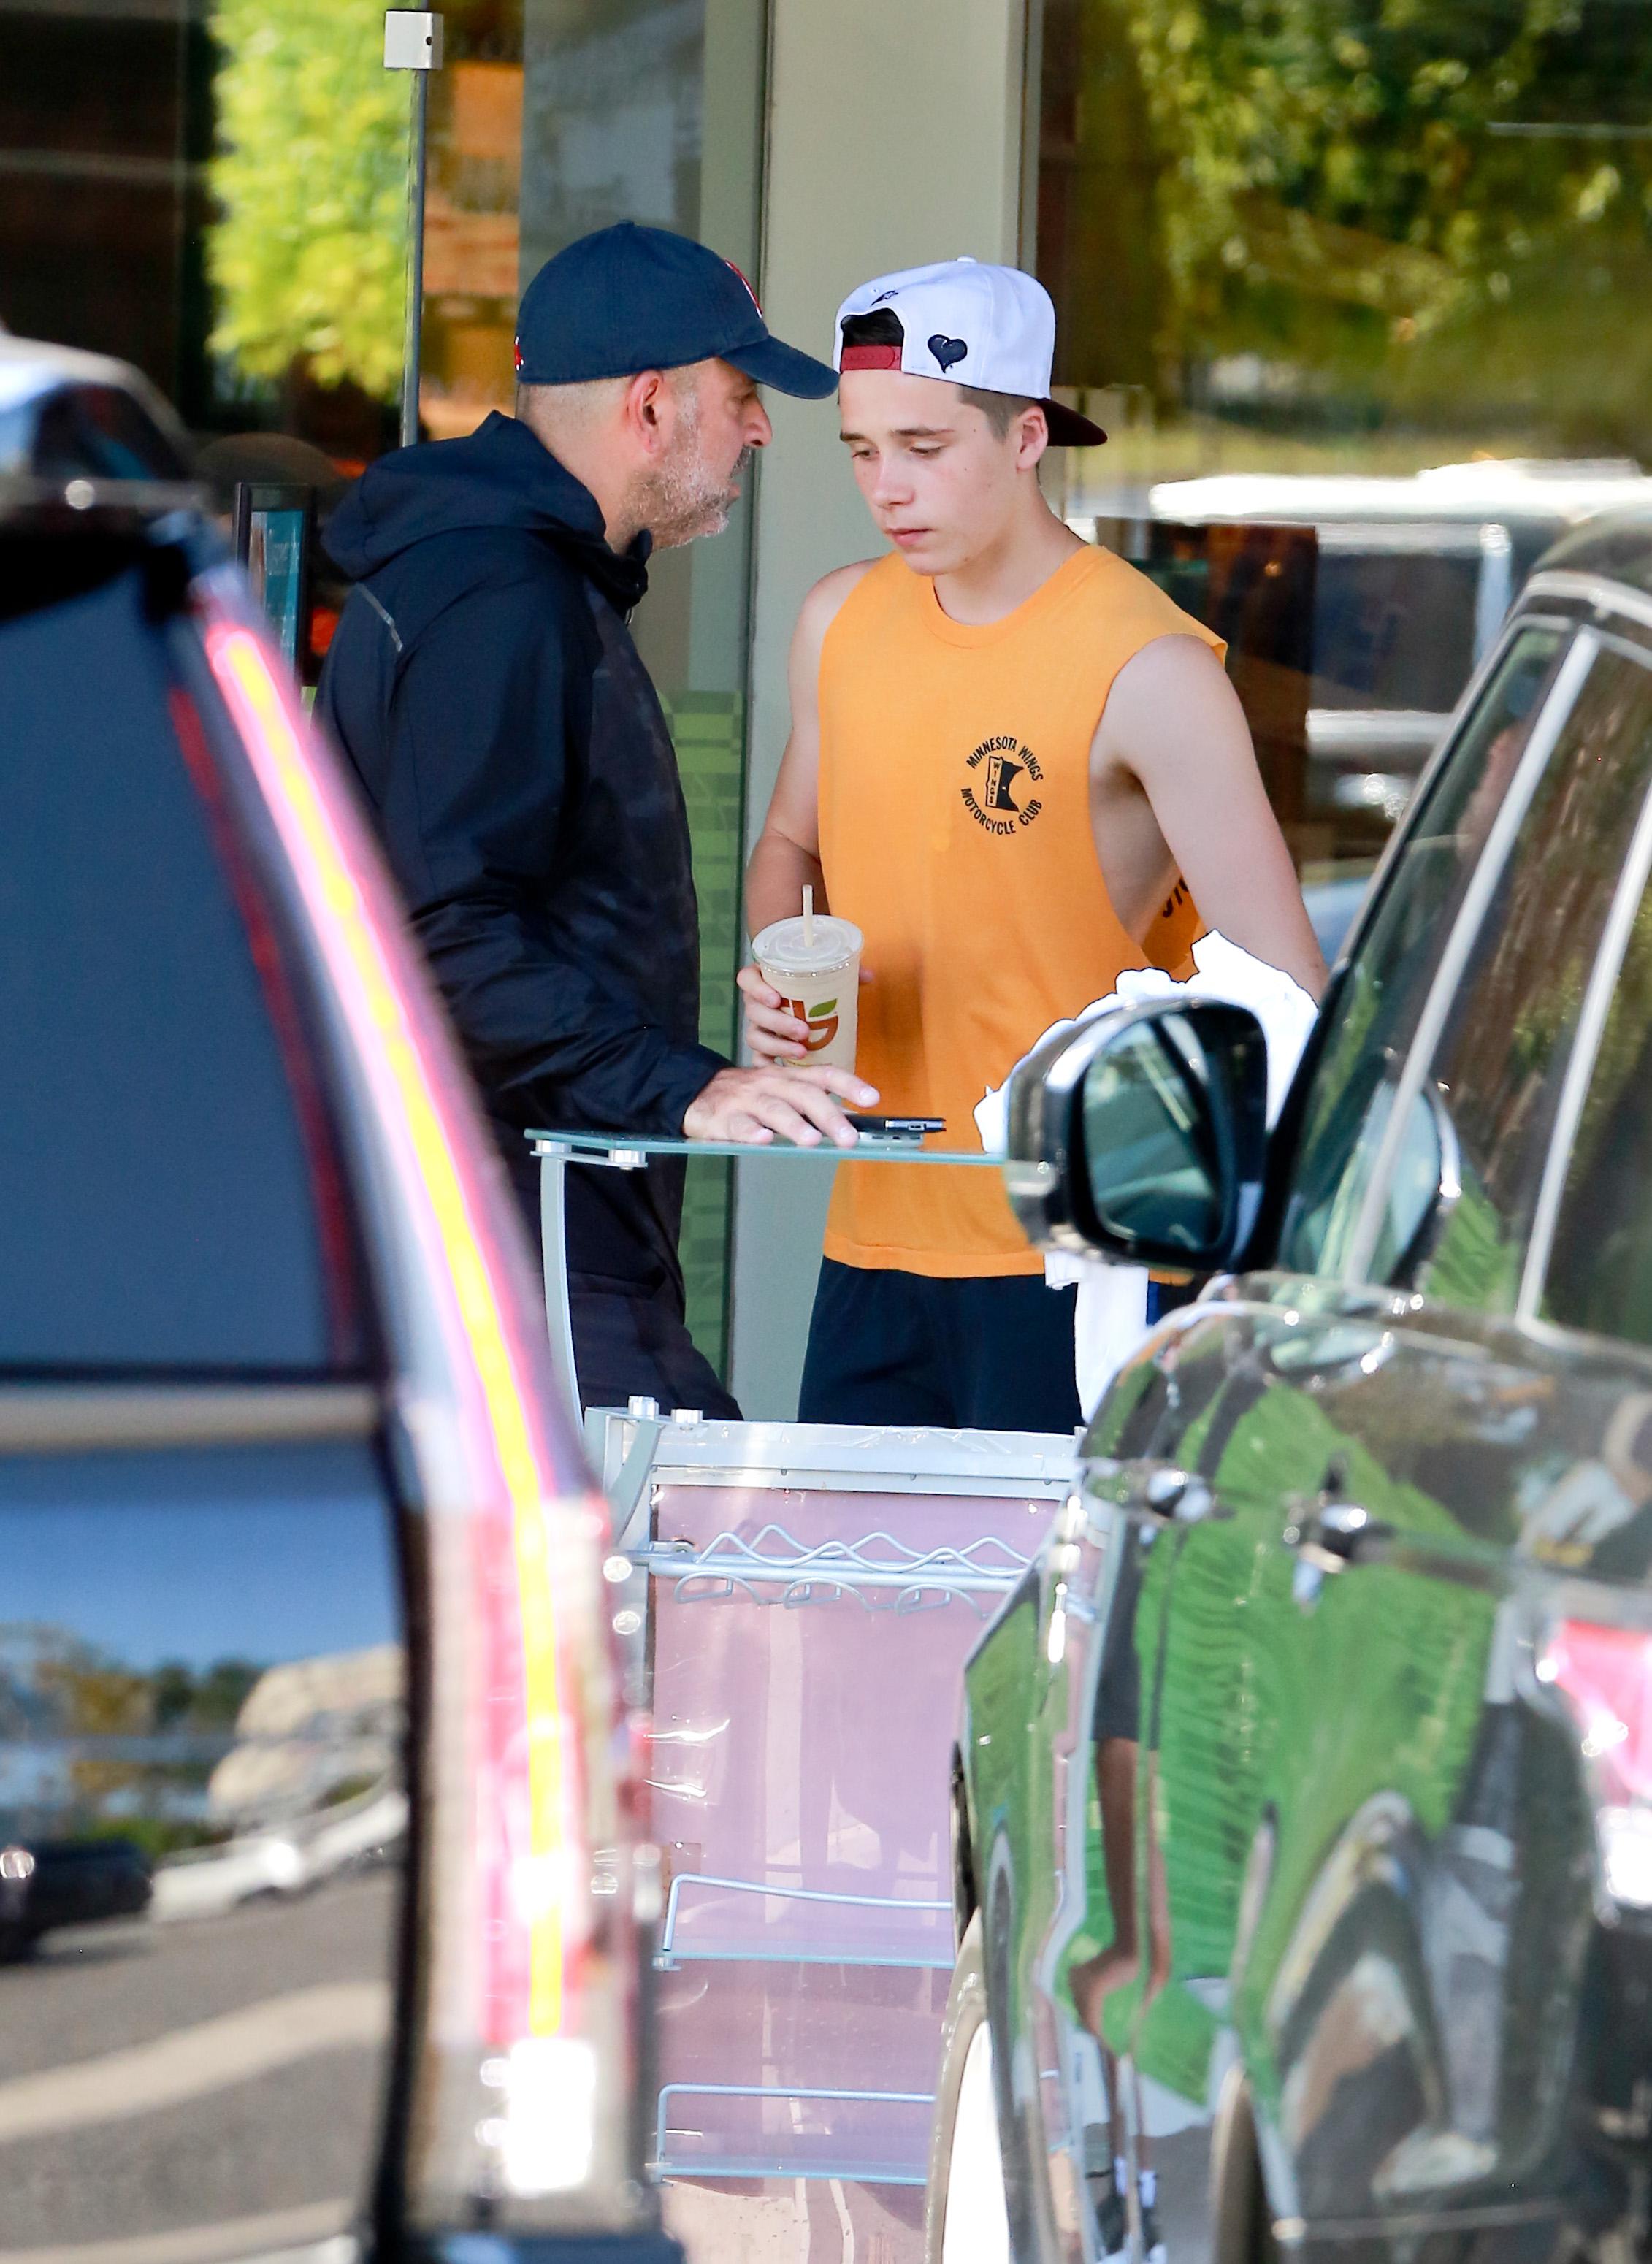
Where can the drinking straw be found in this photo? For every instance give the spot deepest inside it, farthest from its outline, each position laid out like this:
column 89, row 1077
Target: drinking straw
column 808, row 919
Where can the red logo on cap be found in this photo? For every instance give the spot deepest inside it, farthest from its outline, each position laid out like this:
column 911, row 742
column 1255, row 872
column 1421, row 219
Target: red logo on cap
column 516, row 352
column 751, row 294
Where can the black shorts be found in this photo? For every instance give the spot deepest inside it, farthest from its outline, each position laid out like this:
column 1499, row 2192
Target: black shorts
column 989, row 1354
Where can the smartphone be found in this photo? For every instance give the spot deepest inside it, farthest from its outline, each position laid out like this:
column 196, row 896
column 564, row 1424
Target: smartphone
column 896, row 1127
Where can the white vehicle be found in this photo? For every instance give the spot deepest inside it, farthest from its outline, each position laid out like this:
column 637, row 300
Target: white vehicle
column 1412, row 579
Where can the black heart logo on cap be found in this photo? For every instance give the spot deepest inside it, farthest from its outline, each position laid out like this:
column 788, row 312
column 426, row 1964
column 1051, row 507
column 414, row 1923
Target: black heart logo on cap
column 948, row 351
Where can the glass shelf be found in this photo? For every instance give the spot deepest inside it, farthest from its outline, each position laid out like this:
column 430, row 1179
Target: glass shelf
column 624, row 1151
column 618, row 1148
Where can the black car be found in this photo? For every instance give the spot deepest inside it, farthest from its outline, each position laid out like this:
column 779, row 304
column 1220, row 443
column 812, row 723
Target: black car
column 316, row 1796
column 1303, row 1798
column 50, row 1884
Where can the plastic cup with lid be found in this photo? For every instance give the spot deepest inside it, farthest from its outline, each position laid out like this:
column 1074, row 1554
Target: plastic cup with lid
column 815, row 964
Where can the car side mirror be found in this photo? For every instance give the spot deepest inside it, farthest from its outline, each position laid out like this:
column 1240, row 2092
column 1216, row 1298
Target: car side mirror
column 1142, row 1136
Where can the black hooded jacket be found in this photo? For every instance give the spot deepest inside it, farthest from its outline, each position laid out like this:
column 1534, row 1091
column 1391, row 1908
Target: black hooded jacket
column 484, row 683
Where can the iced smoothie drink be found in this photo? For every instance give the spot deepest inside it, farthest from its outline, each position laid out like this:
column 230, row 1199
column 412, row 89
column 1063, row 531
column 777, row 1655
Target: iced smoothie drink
column 818, row 975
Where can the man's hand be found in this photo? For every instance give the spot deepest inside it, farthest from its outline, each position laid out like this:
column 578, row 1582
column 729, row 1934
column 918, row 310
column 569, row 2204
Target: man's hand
column 753, row 1104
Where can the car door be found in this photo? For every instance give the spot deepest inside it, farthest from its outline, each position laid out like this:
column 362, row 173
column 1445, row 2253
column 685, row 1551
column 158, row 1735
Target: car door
column 1306, row 1724
column 1087, row 1922
column 1183, row 1698
column 1415, row 1934
column 203, row 1802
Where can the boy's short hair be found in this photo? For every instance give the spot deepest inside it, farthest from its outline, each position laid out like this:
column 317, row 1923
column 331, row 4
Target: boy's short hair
column 883, row 327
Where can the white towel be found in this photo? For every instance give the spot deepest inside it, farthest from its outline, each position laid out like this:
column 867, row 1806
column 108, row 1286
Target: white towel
column 1111, row 1315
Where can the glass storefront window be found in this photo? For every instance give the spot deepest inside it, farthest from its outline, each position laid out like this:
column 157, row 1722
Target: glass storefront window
column 218, row 195
column 1377, row 277
column 472, row 230
column 549, row 118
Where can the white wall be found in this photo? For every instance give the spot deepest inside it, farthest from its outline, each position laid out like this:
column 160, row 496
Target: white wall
column 894, row 138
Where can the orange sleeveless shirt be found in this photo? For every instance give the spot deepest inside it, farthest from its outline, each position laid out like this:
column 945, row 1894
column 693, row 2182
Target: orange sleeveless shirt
column 955, row 831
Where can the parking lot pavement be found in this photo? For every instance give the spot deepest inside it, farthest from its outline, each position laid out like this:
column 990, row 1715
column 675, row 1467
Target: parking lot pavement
column 175, row 2080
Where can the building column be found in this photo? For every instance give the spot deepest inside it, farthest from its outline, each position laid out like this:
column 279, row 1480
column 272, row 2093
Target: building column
column 894, row 138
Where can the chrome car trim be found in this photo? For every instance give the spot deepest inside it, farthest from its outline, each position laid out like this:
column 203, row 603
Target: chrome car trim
column 1622, row 642
column 1468, row 699
column 1593, row 590
column 1580, row 1068
column 46, row 1419
column 1477, row 896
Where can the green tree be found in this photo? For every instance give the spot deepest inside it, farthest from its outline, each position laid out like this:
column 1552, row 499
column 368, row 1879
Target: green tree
column 307, row 255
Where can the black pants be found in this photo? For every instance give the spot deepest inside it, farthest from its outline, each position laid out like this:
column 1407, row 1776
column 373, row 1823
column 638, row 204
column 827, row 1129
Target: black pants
column 627, row 1344
column 994, row 1355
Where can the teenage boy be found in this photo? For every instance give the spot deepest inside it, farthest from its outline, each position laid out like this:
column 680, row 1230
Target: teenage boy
column 1010, row 751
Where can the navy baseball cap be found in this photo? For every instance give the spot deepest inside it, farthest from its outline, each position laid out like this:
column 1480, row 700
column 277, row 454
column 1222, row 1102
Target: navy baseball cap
column 632, row 298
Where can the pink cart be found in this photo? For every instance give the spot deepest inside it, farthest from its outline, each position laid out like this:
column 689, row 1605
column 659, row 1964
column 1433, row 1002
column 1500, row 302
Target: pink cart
column 796, row 1603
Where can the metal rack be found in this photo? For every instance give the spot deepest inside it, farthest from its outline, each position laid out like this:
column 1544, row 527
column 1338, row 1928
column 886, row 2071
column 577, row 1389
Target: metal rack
column 842, row 2166
column 913, row 1580
column 795, row 1548
column 903, row 1525
column 670, row 1953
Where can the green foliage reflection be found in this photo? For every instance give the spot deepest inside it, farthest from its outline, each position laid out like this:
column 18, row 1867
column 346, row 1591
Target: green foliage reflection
column 307, row 255
column 1407, row 203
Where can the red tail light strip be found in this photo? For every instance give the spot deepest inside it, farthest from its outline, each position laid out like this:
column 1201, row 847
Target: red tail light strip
column 1603, row 1674
column 535, row 1865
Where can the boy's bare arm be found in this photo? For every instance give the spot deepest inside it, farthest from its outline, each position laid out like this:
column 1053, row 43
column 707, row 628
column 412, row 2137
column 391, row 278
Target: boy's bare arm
column 787, row 853
column 1176, row 787
column 786, row 858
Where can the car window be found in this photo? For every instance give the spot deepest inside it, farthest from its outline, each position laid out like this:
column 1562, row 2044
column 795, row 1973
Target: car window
column 1498, row 1068
column 204, row 1677
column 1378, row 1001
column 160, row 1186
column 1599, row 1271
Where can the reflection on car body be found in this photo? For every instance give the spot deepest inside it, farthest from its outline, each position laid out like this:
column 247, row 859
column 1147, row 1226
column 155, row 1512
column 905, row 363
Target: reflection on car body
column 311, row 1784
column 1304, row 1798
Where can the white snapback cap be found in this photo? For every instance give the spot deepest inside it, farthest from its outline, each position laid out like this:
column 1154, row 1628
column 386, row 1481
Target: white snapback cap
column 966, row 320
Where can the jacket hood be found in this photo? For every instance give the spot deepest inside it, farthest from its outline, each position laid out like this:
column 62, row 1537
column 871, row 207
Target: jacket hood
column 501, row 476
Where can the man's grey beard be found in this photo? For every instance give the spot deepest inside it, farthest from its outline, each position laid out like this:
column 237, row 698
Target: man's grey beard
column 684, row 500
